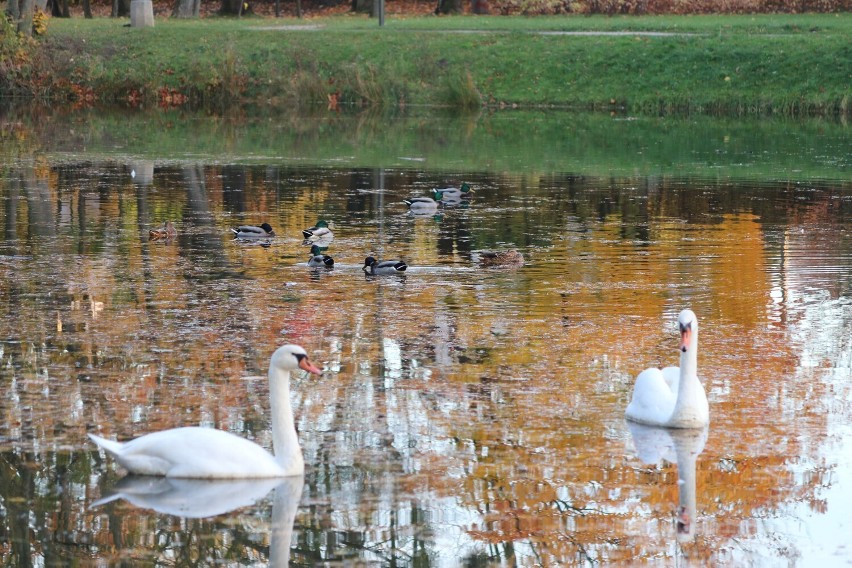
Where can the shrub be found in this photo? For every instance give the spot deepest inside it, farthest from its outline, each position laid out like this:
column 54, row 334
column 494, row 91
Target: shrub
column 39, row 22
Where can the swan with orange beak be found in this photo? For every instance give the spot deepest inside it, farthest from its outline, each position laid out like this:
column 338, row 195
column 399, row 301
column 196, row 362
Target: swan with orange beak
column 673, row 397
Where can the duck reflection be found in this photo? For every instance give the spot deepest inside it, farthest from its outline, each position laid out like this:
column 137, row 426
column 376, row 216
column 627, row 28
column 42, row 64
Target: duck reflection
column 681, row 446
column 201, row 498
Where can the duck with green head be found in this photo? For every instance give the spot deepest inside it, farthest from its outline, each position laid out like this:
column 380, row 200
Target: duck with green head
column 455, row 193
column 373, row 267
column 318, row 259
column 320, row 231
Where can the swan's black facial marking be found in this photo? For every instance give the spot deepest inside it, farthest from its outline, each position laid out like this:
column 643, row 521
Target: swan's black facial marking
column 299, row 356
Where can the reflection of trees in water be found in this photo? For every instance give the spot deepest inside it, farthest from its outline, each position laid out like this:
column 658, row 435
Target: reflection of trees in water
column 477, row 406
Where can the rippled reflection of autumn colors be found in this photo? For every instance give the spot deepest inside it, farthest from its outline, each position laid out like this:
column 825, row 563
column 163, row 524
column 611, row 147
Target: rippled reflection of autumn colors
column 465, row 415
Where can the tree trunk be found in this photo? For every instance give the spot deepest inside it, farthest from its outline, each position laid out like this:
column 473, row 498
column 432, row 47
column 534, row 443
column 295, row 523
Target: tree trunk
column 12, row 10
column 21, row 14
column 234, row 7
column 362, row 6
column 87, row 9
column 449, row 7
column 186, row 9
column 120, row 8
column 376, row 11
column 479, row 6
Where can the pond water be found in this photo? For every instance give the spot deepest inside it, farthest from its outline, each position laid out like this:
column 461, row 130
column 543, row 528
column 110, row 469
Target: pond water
column 465, row 415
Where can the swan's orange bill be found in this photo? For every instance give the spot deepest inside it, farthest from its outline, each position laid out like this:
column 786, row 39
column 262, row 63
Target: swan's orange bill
column 685, row 335
column 305, row 364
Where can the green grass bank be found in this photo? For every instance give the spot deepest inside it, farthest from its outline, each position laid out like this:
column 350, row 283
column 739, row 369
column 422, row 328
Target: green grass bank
column 731, row 65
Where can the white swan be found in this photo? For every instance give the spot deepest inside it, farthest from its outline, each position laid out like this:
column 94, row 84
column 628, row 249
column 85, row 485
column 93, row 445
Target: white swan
column 206, row 453
column 673, row 397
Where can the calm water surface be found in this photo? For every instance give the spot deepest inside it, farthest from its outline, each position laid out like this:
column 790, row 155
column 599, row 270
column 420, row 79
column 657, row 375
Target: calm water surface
column 465, row 416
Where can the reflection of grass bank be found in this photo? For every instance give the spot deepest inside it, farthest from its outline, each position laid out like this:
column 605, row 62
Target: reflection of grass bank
column 735, row 64
column 513, row 142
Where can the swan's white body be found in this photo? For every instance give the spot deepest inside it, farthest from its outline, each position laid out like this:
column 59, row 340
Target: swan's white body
column 673, row 397
column 206, row 453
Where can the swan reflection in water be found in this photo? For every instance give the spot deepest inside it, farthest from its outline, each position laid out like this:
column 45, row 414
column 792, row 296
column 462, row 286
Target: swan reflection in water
column 681, row 446
column 201, row 498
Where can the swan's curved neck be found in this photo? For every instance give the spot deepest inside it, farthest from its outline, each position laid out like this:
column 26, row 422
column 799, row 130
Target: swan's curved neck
column 690, row 392
column 285, row 442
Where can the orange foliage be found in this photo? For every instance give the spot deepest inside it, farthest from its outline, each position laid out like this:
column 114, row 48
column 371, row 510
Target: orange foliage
column 507, row 388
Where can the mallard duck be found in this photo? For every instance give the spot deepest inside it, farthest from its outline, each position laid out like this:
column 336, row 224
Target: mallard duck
column 253, row 232
column 374, row 267
column 167, row 231
column 319, row 259
column 454, row 193
column 320, row 231
column 424, row 204
column 505, row 258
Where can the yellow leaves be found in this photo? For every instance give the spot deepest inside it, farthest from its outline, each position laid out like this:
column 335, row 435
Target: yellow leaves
column 39, row 22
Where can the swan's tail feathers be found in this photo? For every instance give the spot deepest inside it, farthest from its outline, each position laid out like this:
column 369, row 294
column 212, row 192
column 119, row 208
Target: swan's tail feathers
column 110, row 446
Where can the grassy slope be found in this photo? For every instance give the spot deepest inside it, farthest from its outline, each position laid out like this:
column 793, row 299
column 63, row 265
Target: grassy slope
column 778, row 63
